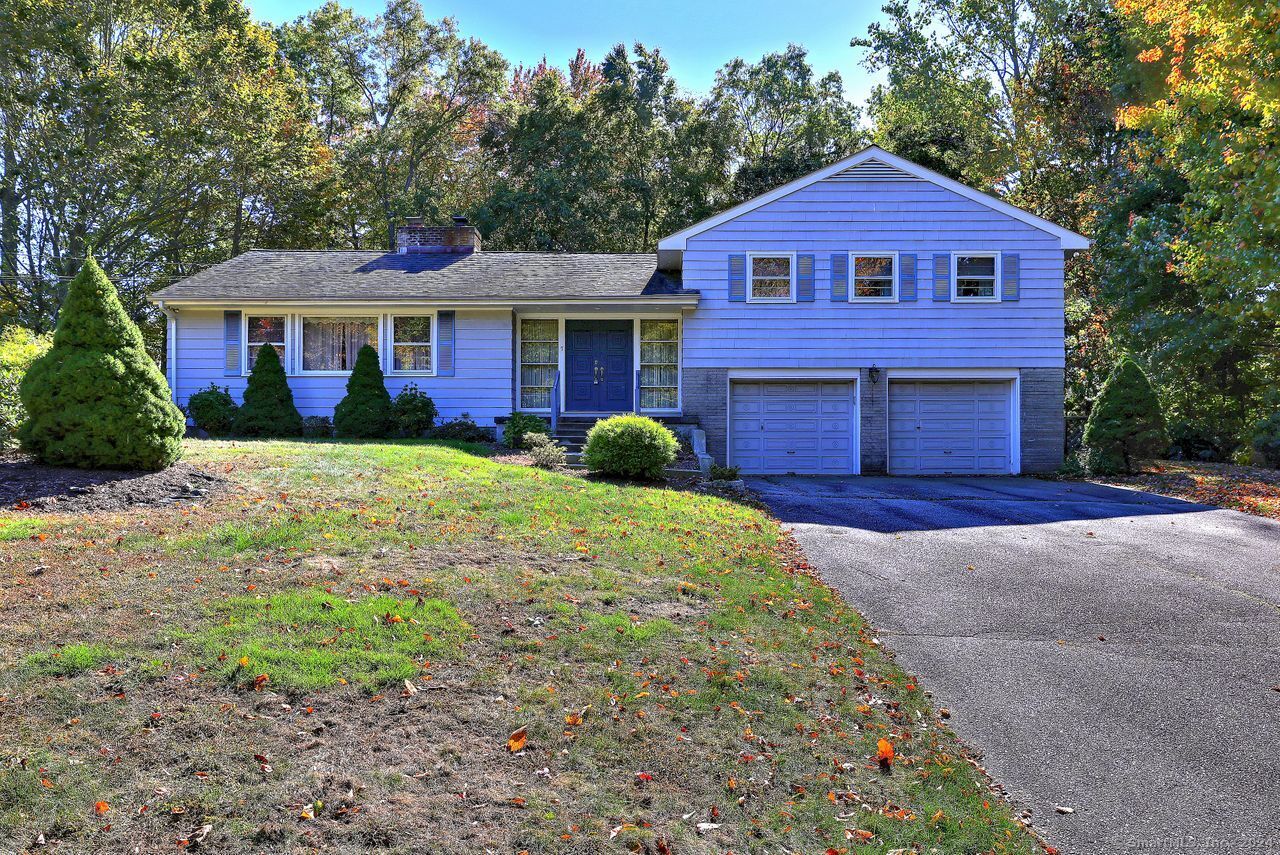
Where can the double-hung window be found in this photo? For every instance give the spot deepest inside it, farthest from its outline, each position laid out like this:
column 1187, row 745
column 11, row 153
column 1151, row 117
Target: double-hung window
column 330, row 342
column 659, row 364
column 875, row 277
column 261, row 330
column 771, row 278
column 975, row 275
column 411, row 344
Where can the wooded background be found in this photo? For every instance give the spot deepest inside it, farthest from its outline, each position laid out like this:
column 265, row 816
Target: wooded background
column 168, row 135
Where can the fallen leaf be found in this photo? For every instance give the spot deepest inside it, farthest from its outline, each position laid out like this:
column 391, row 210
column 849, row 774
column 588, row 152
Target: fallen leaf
column 101, row 808
column 516, row 741
column 884, row 753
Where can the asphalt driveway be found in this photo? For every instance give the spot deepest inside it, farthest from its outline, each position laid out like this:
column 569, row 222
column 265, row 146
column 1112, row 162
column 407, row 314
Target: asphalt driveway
column 1108, row 651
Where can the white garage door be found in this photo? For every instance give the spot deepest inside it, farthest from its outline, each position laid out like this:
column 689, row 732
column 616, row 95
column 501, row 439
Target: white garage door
column 776, row 427
column 949, row 428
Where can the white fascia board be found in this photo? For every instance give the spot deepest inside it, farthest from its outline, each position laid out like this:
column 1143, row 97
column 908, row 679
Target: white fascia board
column 1068, row 239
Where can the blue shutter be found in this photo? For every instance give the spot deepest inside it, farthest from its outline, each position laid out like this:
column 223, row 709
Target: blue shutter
column 445, row 344
column 907, row 277
column 804, row 278
column 738, row 278
column 1009, row 276
column 942, row 277
column 231, row 343
column 840, row 277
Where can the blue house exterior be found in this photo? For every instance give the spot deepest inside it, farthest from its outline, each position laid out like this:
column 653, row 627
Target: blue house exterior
column 870, row 317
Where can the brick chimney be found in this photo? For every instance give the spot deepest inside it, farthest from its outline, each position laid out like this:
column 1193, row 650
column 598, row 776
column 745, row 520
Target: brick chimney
column 461, row 237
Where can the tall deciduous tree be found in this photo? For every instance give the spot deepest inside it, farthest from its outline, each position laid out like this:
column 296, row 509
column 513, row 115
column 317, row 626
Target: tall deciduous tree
column 1194, row 235
column 786, row 120
column 403, row 99
column 165, row 133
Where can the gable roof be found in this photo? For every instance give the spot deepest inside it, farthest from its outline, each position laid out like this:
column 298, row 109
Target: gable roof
column 874, row 164
column 482, row 277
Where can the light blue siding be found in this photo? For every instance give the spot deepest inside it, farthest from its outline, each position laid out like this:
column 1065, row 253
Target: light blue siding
column 480, row 387
column 909, row 217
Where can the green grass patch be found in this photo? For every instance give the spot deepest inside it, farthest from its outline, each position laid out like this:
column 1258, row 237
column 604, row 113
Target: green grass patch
column 19, row 528
column 69, row 660
column 309, row 640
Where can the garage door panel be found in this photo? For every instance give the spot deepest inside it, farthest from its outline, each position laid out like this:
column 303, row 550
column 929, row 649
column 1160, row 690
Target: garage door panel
column 801, row 427
column 938, row 428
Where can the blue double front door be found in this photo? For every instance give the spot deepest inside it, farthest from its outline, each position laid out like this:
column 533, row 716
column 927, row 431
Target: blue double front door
column 600, row 365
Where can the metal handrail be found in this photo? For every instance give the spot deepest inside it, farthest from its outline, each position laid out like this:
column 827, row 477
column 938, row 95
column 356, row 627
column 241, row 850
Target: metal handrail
column 637, row 391
column 555, row 403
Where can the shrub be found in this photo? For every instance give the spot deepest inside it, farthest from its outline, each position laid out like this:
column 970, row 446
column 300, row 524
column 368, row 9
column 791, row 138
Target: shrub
column 1266, row 433
column 413, row 411
column 96, row 399
column 630, row 446
column 317, row 427
column 1190, row 441
column 545, row 452
column 1126, row 422
column 723, row 473
column 521, row 424
column 366, row 411
column 213, row 410
column 268, row 408
column 462, row 429
column 19, row 347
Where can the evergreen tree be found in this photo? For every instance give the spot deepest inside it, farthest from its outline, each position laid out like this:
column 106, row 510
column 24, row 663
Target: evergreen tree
column 1126, row 422
column 268, row 408
column 366, row 412
column 96, row 399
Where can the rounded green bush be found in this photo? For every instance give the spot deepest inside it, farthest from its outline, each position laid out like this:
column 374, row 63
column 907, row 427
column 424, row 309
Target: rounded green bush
column 1266, row 435
column 413, row 411
column 268, row 409
column 630, row 447
column 520, row 425
column 213, row 410
column 96, row 399
column 366, row 412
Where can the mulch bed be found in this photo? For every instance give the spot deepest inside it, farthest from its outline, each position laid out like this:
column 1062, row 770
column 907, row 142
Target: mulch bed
column 1251, row 489
column 27, row 485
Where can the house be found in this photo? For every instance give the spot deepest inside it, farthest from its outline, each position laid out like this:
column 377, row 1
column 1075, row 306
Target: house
column 872, row 316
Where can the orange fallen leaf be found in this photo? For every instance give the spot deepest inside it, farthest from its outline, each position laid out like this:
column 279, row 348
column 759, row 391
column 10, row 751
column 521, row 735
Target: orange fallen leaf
column 101, row 808
column 516, row 741
column 884, row 753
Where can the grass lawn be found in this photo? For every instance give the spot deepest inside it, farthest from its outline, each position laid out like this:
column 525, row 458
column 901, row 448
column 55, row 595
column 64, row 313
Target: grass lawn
column 1241, row 488
column 408, row 647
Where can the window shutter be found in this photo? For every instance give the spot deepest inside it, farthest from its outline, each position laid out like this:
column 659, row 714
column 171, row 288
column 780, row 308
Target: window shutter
column 231, row 342
column 738, row 278
column 942, row 277
column 907, row 278
column 445, row 334
column 1009, row 276
column 840, row 277
column 804, row 278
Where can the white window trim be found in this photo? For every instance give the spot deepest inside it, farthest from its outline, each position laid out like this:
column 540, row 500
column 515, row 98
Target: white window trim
column 679, row 363
column 285, row 357
column 751, row 256
column 519, row 321
column 995, row 283
column 853, row 277
column 391, row 344
column 379, row 326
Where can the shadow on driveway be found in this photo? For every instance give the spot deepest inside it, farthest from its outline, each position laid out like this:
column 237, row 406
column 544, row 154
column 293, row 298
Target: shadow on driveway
column 890, row 505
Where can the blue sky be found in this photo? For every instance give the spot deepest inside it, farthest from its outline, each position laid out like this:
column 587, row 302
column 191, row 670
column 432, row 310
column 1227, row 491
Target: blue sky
column 696, row 36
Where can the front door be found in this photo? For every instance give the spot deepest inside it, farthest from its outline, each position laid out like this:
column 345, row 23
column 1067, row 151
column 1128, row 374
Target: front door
column 600, row 366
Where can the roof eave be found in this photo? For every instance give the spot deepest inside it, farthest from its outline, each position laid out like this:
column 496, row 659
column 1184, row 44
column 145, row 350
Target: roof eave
column 690, row 298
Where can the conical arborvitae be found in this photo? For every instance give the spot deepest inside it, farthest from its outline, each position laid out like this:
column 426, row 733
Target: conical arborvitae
column 268, row 409
column 96, row 400
column 1126, row 422
column 366, row 412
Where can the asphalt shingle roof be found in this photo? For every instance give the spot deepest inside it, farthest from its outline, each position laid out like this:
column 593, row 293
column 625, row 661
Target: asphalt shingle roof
column 375, row 276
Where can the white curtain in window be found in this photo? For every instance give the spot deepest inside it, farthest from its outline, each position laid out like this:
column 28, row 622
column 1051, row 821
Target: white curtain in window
column 331, row 344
